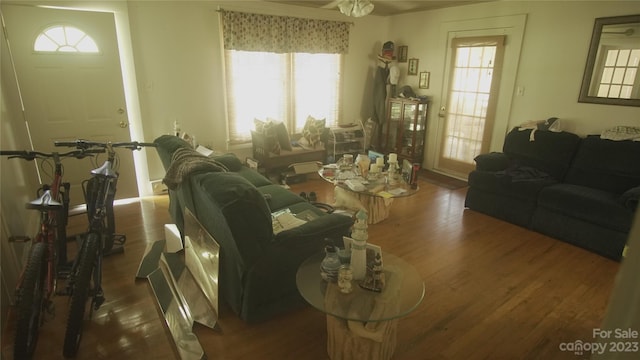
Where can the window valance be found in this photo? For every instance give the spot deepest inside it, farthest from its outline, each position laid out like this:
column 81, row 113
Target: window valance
column 283, row 34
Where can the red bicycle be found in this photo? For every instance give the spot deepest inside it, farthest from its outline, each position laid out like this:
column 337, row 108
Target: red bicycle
column 47, row 259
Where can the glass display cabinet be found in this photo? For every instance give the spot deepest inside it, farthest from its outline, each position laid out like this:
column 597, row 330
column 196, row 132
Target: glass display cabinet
column 404, row 130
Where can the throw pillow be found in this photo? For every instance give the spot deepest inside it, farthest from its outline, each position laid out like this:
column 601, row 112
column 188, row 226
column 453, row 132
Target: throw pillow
column 282, row 134
column 259, row 125
column 268, row 131
column 312, row 130
column 619, row 133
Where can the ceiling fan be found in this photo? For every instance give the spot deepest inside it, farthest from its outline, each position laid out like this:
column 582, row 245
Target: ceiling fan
column 355, row 8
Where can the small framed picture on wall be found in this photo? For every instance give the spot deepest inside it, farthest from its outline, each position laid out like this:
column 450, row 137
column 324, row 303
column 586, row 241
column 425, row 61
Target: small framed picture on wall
column 402, row 53
column 413, row 67
column 424, row 80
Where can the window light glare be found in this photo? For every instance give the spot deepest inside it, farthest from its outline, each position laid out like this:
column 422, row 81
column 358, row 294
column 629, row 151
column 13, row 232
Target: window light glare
column 73, row 35
column 87, row 45
column 66, row 48
column 65, row 39
column 43, row 43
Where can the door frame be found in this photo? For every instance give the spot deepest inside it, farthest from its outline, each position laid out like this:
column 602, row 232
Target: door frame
column 513, row 26
column 125, row 47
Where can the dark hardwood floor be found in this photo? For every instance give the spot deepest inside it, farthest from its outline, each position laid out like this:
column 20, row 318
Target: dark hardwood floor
column 493, row 291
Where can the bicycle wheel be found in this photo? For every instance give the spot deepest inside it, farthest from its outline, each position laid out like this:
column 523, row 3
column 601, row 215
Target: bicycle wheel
column 79, row 294
column 31, row 303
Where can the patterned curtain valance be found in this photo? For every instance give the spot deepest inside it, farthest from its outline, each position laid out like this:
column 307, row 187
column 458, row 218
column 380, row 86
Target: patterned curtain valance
column 283, row 34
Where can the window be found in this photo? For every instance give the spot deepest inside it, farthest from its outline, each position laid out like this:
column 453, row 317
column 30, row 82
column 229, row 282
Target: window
column 65, row 39
column 281, row 67
column 619, row 74
column 285, row 87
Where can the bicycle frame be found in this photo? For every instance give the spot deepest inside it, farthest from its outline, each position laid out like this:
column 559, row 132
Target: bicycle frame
column 85, row 280
column 53, row 218
column 106, row 179
column 37, row 281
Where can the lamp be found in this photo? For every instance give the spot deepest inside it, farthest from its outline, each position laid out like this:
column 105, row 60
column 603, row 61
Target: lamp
column 356, row 8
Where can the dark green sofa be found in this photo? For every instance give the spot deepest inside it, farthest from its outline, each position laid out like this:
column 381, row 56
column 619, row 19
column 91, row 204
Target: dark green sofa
column 582, row 190
column 257, row 268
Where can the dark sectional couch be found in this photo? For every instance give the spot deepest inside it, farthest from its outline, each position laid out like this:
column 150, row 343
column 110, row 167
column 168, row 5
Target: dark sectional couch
column 257, row 268
column 580, row 190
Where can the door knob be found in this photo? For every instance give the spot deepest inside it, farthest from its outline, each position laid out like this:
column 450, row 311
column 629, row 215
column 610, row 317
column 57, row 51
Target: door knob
column 124, row 124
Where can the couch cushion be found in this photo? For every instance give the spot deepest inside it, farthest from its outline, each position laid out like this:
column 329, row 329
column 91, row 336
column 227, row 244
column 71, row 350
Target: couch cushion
column 493, row 161
column 229, row 160
column 244, row 208
column 503, row 183
column 630, row 198
column 607, row 165
column 588, row 204
column 254, row 177
column 550, row 152
column 279, row 197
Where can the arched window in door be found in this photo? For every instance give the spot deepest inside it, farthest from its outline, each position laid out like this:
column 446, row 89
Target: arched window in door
column 63, row 38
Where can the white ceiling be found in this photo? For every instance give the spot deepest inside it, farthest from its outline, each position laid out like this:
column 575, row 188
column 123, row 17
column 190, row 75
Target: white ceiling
column 385, row 7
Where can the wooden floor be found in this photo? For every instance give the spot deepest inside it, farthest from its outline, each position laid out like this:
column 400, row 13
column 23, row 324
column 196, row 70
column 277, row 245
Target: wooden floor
column 493, row 291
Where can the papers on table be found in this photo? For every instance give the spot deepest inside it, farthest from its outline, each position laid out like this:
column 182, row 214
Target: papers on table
column 392, row 193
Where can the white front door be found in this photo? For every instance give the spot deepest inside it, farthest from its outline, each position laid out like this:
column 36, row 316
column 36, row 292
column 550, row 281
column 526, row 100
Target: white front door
column 71, row 94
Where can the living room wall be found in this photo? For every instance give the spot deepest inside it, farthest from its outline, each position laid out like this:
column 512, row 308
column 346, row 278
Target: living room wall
column 180, row 71
column 17, row 181
column 553, row 55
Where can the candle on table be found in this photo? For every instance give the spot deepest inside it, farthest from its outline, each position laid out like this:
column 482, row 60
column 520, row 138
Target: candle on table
column 393, row 157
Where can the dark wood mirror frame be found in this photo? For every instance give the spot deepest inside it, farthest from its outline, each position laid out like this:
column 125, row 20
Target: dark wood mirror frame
column 592, row 60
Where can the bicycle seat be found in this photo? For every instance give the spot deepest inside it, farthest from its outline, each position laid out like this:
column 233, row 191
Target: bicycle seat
column 44, row 202
column 105, row 170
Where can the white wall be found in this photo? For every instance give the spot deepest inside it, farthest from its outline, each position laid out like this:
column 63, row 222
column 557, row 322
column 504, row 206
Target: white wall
column 17, row 182
column 178, row 64
column 553, row 55
column 180, row 73
column 178, row 56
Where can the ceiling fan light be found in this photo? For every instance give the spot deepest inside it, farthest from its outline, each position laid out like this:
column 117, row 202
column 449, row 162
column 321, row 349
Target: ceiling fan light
column 362, row 8
column 346, row 7
column 356, row 8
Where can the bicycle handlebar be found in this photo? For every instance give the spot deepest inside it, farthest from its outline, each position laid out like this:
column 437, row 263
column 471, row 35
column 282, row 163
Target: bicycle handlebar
column 86, row 144
column 30, row 155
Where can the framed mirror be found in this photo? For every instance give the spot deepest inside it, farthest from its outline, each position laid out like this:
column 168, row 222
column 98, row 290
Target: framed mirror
column 612, row 73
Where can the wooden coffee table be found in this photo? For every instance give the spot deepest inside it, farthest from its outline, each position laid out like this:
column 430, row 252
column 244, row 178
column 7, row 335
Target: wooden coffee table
column 375, row 197
column 362, row 324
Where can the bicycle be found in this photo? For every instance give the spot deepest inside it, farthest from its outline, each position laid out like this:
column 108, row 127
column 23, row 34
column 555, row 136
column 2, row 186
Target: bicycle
column 48, row 253
column 85, row 279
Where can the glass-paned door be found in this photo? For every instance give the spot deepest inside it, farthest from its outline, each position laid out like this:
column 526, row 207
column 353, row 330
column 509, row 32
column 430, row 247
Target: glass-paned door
column 471, row 103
